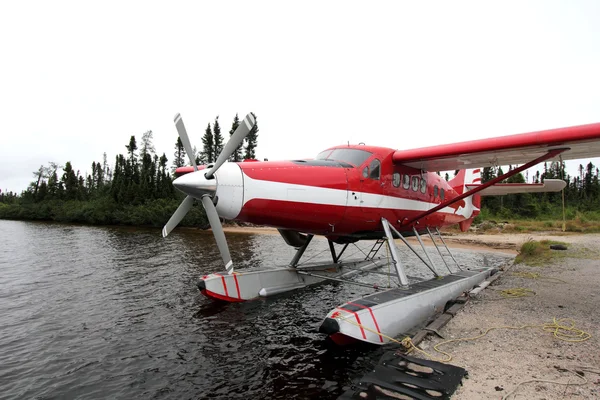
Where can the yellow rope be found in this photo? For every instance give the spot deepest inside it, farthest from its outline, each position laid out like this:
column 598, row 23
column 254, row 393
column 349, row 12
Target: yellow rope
column 563, row 329
column 368, row 329
column 567, row 333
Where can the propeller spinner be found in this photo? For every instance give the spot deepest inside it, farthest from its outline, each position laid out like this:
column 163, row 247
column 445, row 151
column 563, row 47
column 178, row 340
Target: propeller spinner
column 204, row 186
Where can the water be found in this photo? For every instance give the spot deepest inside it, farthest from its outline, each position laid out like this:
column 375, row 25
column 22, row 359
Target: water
column 97, row 312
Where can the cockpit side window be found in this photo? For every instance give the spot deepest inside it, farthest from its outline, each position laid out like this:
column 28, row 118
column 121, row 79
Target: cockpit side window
column 365, row 172
column 375, row 168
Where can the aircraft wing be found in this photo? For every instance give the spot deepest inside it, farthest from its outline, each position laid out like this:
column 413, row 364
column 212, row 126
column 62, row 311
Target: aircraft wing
column 500, row 189
column 583, row 141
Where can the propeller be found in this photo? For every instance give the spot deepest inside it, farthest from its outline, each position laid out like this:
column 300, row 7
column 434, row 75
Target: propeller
column 234, row 141
column 176, row 218
column 204, row 188
column 185, row 140
column 217, row 228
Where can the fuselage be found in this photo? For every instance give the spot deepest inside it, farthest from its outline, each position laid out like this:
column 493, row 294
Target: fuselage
column 342, row 194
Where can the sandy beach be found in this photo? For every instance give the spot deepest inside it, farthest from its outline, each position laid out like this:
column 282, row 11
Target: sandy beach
column 568, row 287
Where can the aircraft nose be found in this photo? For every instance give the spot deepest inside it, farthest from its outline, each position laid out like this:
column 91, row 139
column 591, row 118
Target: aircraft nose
column 195, row 184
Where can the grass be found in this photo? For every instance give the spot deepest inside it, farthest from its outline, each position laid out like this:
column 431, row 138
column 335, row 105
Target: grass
column 579, row 224
column 537, row 253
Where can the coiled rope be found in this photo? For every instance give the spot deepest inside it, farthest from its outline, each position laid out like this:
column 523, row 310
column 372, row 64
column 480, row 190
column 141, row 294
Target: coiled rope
column 562, row 328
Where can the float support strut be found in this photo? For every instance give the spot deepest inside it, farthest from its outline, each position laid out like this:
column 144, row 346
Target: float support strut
column 447, row 248
column 395, row 259
column 438, row 249
column 336, row 257
column 425, row 250
column 300, row 251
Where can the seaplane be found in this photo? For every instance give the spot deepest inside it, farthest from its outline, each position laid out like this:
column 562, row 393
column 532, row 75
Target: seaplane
column 352, row 193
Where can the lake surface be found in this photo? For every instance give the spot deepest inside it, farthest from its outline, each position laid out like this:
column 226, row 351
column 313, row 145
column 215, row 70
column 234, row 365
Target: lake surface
column 98, row 312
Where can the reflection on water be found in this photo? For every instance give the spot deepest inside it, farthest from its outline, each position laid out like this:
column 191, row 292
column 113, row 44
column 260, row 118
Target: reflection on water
column 92, row 312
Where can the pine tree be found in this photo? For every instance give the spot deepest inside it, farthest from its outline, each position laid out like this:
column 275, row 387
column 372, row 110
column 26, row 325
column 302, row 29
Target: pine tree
column 163, row 180
column 39, row 174
column 81, row 189
column 146, row 178
column 252, row 141
column 217, row 139
column 179, row 160
column 147, row 146
column 70, row 182
column 105, row 168
column 208, row 147
column 53, row 185
column 487, row 174
column 237, row 154
column 131, row 148
column 42, row 192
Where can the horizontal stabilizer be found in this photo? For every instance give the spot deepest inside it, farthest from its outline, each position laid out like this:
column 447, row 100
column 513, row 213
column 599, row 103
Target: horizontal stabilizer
column 500, row 189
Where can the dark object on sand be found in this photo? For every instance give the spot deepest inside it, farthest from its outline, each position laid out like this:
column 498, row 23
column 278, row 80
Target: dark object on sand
column 558, row 247
column 399, row 376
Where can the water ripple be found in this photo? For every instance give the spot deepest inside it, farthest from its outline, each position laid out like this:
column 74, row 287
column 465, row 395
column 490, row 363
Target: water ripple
column 92, row 312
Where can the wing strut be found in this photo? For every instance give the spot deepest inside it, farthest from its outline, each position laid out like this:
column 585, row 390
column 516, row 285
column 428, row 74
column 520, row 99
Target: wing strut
column 550, row 154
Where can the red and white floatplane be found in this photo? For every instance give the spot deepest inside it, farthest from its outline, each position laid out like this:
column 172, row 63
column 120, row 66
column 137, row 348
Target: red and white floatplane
column 352, row 193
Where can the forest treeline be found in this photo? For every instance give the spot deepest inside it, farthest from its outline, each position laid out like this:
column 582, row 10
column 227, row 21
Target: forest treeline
column 136, row 190
column 581, row 195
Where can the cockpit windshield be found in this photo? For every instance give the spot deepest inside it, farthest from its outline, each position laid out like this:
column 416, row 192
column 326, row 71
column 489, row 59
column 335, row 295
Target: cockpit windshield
column 351, row 156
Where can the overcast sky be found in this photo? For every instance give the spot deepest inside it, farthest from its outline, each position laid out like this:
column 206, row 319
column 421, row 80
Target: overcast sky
column 79, row 78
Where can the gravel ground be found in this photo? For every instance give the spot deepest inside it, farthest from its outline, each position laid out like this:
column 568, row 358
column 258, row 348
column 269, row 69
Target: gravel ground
column 498, row 362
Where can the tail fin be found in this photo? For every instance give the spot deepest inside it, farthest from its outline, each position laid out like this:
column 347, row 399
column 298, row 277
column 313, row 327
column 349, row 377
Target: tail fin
column 465, row 177
column 458, row 183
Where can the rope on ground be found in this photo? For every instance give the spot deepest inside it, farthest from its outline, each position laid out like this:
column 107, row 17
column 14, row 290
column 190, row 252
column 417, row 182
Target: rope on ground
column 563, row 329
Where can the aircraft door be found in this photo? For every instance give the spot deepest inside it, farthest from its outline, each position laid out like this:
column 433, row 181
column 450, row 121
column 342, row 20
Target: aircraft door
column 371, row 190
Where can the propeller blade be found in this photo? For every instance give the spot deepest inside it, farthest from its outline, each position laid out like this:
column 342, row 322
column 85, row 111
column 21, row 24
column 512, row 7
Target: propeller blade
column 185, row 140
column 217, row 228
column 240, row 133
column 176, row 218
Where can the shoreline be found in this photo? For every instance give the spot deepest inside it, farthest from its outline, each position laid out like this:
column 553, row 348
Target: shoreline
column 520, row 362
